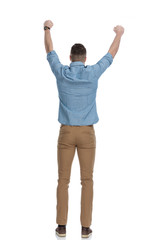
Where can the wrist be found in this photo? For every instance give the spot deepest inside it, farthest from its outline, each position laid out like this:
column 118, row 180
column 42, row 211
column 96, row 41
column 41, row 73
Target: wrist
column 119, row 35
column 46, row 28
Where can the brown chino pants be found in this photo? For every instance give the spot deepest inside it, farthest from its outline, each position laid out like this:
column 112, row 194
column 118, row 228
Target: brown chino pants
column 83, row 138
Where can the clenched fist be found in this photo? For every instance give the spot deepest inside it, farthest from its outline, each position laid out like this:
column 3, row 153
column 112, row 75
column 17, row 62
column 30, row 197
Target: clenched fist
column 48, row 23
column 118, row 30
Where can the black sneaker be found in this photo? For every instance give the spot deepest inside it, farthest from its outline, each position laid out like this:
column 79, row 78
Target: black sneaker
column 86, row 232
column 61, row 231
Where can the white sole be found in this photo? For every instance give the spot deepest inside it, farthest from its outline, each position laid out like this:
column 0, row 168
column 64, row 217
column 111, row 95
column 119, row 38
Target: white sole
column 60, row 235
column 86, row 236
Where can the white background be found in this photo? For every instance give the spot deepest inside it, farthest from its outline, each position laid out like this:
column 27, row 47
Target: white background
column 127, row 166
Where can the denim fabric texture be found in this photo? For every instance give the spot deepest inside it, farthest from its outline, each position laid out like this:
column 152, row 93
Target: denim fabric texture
column 77, row 87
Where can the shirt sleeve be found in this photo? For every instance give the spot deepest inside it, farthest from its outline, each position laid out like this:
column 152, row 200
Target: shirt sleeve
column 54, row 62
column 102, row 64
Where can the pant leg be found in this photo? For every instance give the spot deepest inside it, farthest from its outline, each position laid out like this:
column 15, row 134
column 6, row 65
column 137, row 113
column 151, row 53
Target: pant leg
column 86, row 153
column 65, row 155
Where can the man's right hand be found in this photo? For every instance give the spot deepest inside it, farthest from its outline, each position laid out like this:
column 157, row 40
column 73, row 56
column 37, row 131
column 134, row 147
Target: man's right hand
column 48, row 23
column 119, row 30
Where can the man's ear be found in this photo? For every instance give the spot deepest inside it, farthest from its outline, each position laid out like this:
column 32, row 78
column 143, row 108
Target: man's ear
column 85, row 59
column 70, row 57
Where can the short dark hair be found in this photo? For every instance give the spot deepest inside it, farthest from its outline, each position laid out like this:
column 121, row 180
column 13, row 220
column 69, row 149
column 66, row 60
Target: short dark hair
column 78, row 52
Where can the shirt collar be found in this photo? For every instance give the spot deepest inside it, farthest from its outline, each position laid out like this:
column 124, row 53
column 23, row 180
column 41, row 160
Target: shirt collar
column 76, row 63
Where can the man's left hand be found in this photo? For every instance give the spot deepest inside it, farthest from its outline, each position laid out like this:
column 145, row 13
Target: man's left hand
column 48, row 23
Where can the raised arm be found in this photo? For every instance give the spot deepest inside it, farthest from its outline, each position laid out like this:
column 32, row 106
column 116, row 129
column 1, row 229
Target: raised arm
column 47, row 36
column 119, row 30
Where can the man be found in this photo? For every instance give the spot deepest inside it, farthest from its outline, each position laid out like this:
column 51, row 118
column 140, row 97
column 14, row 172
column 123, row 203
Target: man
column 77, row 86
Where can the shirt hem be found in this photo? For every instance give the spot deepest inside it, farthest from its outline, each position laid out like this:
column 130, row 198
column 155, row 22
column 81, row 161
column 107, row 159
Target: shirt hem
column 65, row 123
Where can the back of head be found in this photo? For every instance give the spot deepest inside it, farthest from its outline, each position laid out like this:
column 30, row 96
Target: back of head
column 78, row 52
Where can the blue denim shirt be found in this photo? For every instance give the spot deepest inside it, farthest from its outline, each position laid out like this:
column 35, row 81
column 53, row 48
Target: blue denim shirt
column 77, row 87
